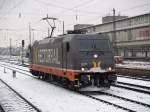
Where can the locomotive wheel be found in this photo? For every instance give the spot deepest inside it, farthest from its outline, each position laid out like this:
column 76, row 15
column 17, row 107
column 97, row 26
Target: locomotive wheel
column 72, row 87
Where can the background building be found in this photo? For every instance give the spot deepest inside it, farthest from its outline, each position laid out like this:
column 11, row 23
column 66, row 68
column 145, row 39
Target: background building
column 131, row 36
column 107, row 19
column 80, row 26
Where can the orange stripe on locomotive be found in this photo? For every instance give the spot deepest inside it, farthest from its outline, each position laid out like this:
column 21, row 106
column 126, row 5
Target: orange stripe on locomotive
column 70, row 74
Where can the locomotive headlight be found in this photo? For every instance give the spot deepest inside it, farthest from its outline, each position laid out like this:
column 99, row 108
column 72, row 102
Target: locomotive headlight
column 95, row 55
column 82, row 69
column 109, row 68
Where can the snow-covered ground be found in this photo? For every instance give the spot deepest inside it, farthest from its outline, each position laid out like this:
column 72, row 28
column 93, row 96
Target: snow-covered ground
column 10, row 101
column 121, row 79
column 50, row 98
column 130, row 105
column 14, row 59
column 134, row 81
column 140, row 97
column 14, row 65
column 135, row 65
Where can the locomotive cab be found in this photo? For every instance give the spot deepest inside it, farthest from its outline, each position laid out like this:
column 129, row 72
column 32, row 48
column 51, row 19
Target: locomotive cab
column 93, row 57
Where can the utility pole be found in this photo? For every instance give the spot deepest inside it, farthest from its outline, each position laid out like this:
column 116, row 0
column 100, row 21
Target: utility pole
column 22, row 54
column 114, row 32
column 29, row 47
column 29, row 34
column 32, row 36
column 63, row 28
column 10, row 48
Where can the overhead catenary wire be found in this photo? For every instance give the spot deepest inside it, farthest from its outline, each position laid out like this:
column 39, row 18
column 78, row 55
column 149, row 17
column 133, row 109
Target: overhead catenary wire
column 77, row 6
column 67, row 9
column 73, row 9
column 127, row 9
column 14, row 7
column 137, row 6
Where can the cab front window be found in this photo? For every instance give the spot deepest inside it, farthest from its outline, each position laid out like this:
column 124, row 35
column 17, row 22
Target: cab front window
column 97, row 44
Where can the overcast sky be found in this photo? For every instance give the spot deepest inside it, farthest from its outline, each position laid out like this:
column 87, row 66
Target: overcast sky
column 15, row 15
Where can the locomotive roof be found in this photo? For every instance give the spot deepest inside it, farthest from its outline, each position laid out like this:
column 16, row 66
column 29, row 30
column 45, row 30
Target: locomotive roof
column 69, row 37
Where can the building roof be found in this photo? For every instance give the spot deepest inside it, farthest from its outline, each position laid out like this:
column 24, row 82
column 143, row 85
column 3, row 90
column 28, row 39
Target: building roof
column 115, row 21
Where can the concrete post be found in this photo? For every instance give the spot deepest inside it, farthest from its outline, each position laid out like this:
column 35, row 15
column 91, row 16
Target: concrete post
column 14, row 74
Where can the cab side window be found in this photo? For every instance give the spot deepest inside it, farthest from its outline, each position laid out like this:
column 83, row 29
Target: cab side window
column 67, row 46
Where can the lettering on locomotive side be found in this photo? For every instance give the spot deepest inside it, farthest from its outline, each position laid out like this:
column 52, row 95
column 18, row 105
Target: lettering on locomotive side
column 35, row 59
column 48, row 56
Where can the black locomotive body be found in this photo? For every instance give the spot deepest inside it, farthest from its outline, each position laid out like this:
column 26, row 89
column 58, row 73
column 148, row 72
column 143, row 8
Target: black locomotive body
column 75, row 60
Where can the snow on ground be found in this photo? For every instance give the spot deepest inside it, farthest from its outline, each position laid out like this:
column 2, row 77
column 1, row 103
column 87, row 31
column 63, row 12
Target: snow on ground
column 140, row 97
column 14, row 59
column 134, row 81
column 134, row 87
column 50, row 98
column 135, row 65
column 11, row 101
column 136, row 62
column 130, row 105
column 13, row 65
column 121, row 79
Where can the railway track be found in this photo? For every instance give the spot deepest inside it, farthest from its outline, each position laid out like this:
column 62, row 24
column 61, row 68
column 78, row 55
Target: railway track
column 142, row 89
column 129, row 86
column 130, row 77
column 123, row 98
column 133, row 87
column 1, row 109
column 98, row 92
column 15, row 63
column 15, row 100
column 56, row 84
column 15, row 67
column 137, row 78
column 107, row 102
column 95, row 94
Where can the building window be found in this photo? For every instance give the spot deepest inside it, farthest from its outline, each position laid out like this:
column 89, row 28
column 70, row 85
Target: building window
column 94, row 29
column 129, row 35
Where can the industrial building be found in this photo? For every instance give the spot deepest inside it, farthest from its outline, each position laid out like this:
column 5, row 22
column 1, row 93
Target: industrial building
column 130, row 35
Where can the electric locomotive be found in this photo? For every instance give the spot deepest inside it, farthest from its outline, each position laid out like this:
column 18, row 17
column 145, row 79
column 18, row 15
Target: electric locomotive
column 75, row 60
